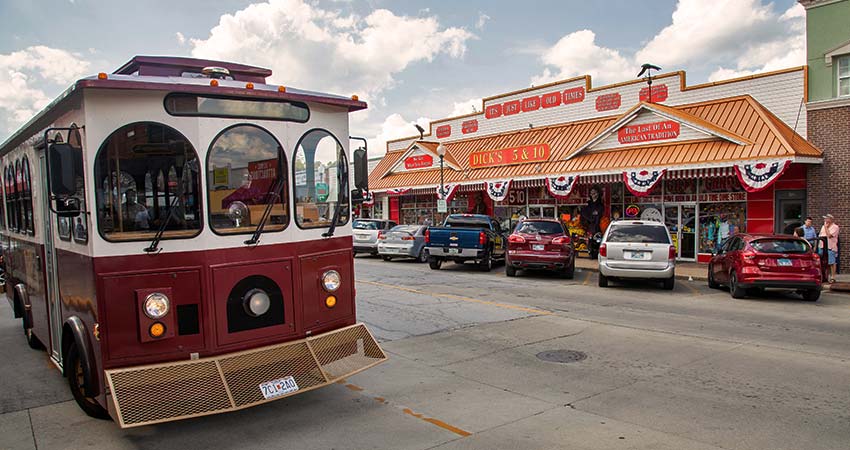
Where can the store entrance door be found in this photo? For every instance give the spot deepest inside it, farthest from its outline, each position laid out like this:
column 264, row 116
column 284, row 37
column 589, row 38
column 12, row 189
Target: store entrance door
column 681, row 220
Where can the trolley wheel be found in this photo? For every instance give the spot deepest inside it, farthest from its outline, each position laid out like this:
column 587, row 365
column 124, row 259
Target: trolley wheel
column 74, row 371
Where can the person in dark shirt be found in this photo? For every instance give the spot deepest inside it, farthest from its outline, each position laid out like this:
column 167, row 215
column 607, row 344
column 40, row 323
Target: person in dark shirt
column 592, row 213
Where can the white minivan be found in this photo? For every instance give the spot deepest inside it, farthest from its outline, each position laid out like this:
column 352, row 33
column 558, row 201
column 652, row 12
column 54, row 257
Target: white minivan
column 637, row 249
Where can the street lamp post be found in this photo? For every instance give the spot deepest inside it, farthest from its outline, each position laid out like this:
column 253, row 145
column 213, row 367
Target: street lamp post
column 441, row 152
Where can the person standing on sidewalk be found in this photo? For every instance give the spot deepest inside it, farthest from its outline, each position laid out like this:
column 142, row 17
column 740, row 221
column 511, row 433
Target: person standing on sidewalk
column 830, row 231
column 808, row 231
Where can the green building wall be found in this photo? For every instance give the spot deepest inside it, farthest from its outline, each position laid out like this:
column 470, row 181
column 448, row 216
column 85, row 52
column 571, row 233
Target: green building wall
column 828, row 26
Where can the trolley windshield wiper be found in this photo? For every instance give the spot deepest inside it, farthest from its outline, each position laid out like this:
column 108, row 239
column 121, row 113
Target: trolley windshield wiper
column 154, row 247
column 343, row 183
column 271, row 196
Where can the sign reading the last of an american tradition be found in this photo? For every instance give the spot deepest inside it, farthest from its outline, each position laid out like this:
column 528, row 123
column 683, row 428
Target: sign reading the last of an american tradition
column 509, row 156
column 654, row 131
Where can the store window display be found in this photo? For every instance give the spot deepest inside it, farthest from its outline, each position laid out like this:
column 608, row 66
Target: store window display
column 719, row 221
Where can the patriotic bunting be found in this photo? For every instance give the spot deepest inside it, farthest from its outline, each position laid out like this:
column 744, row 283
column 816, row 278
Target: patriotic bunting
column 397, row 191
column 498, row 190
column 448, row 192
column 368, row 198
column 755, row 176
column 640, row 182
column 561, row 186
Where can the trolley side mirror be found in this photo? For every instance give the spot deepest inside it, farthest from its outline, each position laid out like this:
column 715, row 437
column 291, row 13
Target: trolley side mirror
column 63, row 169
column 356, row 196
column 361, row 170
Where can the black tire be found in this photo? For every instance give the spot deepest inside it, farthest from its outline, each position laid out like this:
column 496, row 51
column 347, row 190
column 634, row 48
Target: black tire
column 423, row 256
column 711, row 283
column 510, row 270
column 669, row 283
column 603, row 280
column 486, row 264
column 734, row 288
column 570, row 272
column 434, row 263
column 810, row 295
column 387, row 258
column 32, row 340
column 74, row 372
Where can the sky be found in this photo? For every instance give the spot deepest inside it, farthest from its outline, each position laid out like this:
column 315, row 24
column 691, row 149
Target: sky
column 411, row 61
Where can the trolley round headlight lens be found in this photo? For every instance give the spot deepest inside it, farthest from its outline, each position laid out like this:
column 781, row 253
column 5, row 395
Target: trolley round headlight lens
column 257, row 303
column 331, row 280
column 156, row 305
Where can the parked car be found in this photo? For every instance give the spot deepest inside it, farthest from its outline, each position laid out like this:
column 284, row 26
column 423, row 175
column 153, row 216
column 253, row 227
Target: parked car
column 540, row 244
column 750, row 263
column 466, row 237
column 637, row 249
column 366, row 233
column 403, row 240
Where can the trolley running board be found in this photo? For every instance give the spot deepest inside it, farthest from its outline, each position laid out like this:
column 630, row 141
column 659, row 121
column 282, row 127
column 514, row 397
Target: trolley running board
column 165, row 392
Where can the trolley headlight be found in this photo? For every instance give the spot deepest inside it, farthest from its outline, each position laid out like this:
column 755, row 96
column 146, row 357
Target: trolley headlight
column 156, row 305
column 256, row 303
column 331, row 280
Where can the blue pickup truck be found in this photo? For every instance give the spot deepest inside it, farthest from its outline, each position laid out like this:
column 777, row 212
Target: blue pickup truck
column 466, row 237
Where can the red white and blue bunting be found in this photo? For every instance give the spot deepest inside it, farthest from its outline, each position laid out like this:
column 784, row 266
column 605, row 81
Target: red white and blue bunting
column 448, row 192
column 498, row 190
column 561, row 186
column 755, row 176
column 397, row 191
column 640, row 182
column 368, row 198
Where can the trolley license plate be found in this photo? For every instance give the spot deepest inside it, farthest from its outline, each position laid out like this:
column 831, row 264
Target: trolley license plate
column 276, row 388
column 785, row 262
column 538, row 247
column 638, row 255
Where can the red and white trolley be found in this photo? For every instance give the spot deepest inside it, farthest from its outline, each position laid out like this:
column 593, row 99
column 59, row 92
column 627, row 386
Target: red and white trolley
column 177, row 235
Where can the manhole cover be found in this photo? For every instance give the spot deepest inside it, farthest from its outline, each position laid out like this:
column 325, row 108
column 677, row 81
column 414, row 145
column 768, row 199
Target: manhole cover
column 562, row 356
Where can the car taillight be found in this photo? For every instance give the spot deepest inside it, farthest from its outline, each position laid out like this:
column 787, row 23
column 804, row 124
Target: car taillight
column 563, row 240
column 748, row 257
column 482, row 238
column 381, row 236
column 603, row 250
column 516, row 239
column 427, row 236
column 407, row 238
column 671, row 254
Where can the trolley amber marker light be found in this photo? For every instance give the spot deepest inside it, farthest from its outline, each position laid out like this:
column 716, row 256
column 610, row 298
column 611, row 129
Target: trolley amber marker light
column 281, row 88
column 355, row 97
column 213, row 83
column 249, row 86
column 330, row 302
column 157, row 329
column 101, row 76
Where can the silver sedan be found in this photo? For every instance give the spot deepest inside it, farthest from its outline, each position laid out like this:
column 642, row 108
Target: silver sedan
column 407, row 241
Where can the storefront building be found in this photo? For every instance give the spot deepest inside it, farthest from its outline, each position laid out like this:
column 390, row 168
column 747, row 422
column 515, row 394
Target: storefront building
column 709, row 160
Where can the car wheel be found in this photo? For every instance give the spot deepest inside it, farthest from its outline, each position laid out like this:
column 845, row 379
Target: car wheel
column 423, row 256
column 76, row 381
column 487, row 263
column 570, row 272
column 670, row 283
column 711, row 283
column 603, row 280
column 387, row 258
column 810, row 295
column 510, row 270
column 734, row 289
column 434, row 263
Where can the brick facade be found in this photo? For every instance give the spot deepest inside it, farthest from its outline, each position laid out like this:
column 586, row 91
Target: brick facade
column 829, row 183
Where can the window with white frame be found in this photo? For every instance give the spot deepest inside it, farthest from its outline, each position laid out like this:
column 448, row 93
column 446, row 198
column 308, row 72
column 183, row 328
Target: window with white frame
column 843, row 68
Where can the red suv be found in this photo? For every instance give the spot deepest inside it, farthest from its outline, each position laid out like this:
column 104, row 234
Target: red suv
column 540, row 244
column 751, row 263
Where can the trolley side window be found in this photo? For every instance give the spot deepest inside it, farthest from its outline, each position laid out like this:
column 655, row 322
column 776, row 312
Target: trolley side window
column 209, row 106
column 26, row 197
column 20, row 226
column 7, row 187
column 246, row 171
column 318, row 167
column 147, row 177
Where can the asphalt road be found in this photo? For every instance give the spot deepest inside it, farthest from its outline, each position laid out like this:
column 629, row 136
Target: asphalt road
column 688, row 369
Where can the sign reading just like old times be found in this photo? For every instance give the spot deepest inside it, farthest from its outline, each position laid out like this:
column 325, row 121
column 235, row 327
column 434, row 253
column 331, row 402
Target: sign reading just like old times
column 509, row 156
column 654, row 131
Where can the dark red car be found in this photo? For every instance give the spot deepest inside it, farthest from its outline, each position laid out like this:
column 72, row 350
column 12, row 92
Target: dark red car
column 540, row 244
column 750, row 263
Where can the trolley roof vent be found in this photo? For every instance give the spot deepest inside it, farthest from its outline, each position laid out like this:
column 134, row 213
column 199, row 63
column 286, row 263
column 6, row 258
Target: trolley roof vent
column 218, row 73
column 172, row 66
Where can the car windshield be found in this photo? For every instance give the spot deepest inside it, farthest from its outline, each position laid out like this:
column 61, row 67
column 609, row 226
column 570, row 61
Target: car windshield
column 467, row 222
column 406, row 229
column 365, row 225
column 643, row 234
column 780, row 246
column 540, row 227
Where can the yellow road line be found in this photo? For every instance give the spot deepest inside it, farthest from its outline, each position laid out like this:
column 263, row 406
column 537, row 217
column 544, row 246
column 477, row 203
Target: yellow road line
column 687, row 284
column 586, row 278
column 459, row 297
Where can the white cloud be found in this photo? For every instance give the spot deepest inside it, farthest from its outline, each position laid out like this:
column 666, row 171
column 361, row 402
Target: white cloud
column 181, row 39
column 577, row 54
column 701, row 35
column 395, row 126
column 482, row 20
column 314, row 48
column 470, row 106
column 25, row 75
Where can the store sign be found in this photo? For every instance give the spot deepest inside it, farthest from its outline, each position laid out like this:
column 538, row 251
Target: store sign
column 511, row 108
column 444, row 131
column 574, row 95
column 493, row 111
column 531, row 103
column 528, row 104
column 608, row 102
column 551, row 99
column 322, row 191
column 263, row 173
column 654, row 131
column 221, row 176
column 442, row 206
column 418, row 161
column 470, row 126
column 632, row 211
column 517, row 197
column 509, row 156
column 659, row 94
